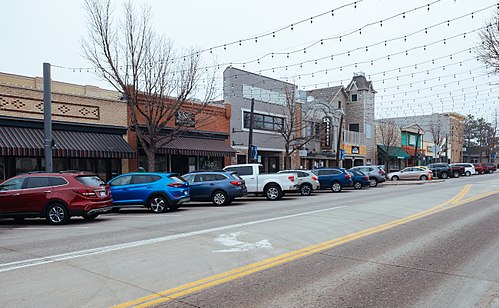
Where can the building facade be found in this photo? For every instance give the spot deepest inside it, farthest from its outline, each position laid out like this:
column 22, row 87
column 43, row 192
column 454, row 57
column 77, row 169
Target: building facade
column 89, row 128
column 270, row 113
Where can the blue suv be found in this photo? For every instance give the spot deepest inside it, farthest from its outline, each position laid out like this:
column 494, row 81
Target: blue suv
column 154, row 190
column 219, row 187
column 333, row 178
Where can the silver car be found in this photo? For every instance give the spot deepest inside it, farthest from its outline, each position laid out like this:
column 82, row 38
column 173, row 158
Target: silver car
column 411, row 173
column 307, row 181
column 376, row 174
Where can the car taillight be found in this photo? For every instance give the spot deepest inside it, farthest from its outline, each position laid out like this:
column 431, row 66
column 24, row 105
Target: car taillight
column 176, row 185
column 366, row 177
column 314, row 178
column 430, row 171
column 85, row 192
column 347, row 176
column 291, row 178
column 236, row 183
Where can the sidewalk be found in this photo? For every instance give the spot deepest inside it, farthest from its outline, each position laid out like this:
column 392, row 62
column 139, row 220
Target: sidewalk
column 412, row 182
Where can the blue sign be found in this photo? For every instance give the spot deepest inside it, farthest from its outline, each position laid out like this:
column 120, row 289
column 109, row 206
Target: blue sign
column 342, row 153
column 495, row 156
column 255, row 152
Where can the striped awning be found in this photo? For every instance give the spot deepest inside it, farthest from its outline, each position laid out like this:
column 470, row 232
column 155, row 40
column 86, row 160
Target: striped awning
column 196, row 146
column 23, row 141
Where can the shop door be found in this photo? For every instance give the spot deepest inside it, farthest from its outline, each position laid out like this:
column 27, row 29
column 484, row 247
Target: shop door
column 273, row 164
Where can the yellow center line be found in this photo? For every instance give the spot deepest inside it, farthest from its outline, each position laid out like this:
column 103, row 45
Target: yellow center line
column 157, row 298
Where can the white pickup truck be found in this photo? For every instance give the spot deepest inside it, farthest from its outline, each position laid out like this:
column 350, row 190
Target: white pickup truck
column 272, row 185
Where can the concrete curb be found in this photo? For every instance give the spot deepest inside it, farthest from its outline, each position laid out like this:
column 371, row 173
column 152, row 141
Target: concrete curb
column 409, row 182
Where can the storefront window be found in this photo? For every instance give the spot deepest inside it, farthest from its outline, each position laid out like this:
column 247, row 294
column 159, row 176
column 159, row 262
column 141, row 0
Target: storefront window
column 2, row 169
column 212, row 162
column 26, row 164
column 192, row 163
column 59, row 164
column 101, row 168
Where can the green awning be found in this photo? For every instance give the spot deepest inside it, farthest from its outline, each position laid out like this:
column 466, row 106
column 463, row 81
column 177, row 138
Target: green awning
column 394, row 152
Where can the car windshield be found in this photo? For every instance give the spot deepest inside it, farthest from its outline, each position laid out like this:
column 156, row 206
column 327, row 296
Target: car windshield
column 90, row 180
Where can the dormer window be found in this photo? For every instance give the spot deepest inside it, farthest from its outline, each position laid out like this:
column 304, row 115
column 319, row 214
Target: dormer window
column 339, row 104
column 354, row 97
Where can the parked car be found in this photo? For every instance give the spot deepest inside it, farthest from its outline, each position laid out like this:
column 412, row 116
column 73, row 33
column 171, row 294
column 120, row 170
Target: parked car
column 469, row 169
column 272, row 185
column 411, row 173
column 219, row 187
column 307, row 181
column 443, row 170
column 479, row 168
column 489, row 167
column 55, row 196
column 154, row 190
column 359, row 178
column 376, row 174
column 333, row 178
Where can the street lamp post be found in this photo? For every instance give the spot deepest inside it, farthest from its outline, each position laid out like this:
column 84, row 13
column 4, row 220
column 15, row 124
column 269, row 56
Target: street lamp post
column 338, row 145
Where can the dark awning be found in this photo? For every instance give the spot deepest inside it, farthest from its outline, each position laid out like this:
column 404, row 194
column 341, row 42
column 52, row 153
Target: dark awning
column 196, row 146
column 23, row 141
column 394, row 152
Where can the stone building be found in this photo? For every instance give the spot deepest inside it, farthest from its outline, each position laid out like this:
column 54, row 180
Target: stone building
column 89, row 128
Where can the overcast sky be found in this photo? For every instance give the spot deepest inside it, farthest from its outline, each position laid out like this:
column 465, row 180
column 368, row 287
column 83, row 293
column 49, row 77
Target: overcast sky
column 410, row 78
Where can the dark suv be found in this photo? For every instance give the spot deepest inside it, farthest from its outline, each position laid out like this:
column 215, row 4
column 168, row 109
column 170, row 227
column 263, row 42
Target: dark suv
column 55, row 196
column 333, row 178
column 443, row 170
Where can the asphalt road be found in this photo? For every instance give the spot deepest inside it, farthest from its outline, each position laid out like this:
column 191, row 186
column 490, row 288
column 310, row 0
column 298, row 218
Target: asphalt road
column 417, row 245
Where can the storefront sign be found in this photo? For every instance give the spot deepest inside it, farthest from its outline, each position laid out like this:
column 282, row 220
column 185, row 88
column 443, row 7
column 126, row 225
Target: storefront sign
column 355, row 150
column 326, row 129
column 183, row 118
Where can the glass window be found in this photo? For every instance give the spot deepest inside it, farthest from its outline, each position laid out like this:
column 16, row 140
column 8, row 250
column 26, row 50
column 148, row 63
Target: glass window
column 57, row 181
column 177, row 179
column 264, row 122
column 246, row 170
column 354, row 97
column 38, row 181
column 90, row 180
column 145, row 178
column 189, row 178
column 2, row 168
column 124, row 180
column 12, row 184
column 354, row 127
column 219, row 177
column 26, row 164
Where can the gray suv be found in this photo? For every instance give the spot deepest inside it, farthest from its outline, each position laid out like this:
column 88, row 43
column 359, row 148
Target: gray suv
column 376, row 174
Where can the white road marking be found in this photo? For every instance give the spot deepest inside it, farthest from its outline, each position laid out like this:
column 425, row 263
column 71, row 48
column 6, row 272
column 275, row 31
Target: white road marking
column 231, row 240
column 49, row 228
column 94, row 251
column 144, row 216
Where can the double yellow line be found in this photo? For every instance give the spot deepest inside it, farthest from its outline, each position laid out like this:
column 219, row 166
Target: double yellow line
column 195, row 286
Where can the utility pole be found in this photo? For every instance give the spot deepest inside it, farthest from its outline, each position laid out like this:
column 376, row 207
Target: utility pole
column 446, row 148
column 47, row 116
column 250, row 135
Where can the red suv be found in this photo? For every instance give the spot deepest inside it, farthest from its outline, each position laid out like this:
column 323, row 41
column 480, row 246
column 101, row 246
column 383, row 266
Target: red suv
column 489, row 167
column 479, row 169
column 55, row 196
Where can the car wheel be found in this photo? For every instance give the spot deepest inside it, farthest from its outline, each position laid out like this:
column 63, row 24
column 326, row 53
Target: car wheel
column 90, row 217
column 468, row 173
column 57, row 214
column 445, row 175
column 456, row 174
column 423, row 178
column 305, row 189
column 394, row 178
column 158, row 204
column 336, row 187
column 357, row 185
column 373, row 182
column 219, row 198
column 273, row 192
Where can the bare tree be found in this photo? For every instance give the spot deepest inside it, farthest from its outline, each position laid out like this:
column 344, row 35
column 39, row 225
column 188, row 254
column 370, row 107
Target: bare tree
column 488, row 50
column 293, row 126
column 437, row 133
column 388, row 135
column 156, row 82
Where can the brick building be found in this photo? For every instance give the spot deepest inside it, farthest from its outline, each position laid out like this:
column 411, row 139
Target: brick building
column 89, row 128
column 203, row 145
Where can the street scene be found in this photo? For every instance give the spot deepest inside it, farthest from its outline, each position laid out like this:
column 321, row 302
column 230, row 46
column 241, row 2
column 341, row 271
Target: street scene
column 174, row 154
